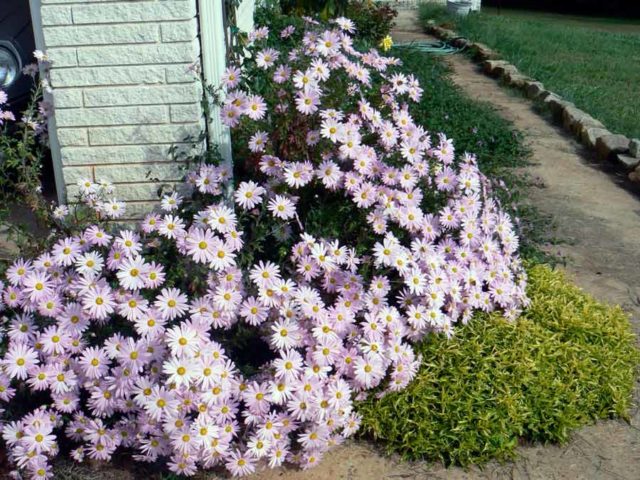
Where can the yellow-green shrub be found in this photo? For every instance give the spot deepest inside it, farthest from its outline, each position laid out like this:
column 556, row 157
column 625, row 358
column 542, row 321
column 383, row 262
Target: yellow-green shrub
column 566, row 362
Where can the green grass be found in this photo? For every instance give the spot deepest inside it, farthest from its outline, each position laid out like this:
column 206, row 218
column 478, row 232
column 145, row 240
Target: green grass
column 567, row 361
column 594, row 63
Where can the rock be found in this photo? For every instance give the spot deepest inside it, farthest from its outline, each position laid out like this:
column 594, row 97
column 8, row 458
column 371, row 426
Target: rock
column 545, row 94
column 460, row 42
column 443, row 33
column 608, row 145
column 481, row 51
column 448, row 34
column 506, row 72
column 512, row 76
column 494, row 68
column 586, row 123
column 634, row 147
column 556, row 105
column 627, row 161
column 500, row 69
column 590, row 136
column 533, row 89
column 575, row 120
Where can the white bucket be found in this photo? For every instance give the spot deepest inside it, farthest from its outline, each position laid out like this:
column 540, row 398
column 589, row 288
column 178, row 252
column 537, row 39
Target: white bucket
column 475, row 5
column 459, row 7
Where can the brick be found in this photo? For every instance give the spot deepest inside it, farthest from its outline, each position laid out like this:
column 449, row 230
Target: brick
column 56, row 15
column 72, row 175
column 72, row 136
column 186, row 113
column 179, row 31
column 138, row 191
column 115, row 154
column 162, row 172
column 101, row 76
column 125, row 192
column 134, row 12
column 137, row 210
column 180, row 74
column 138, row 54
column 142, row 95
column 101, row 35
column 63, row 57
column 67, row 98
column 141, row 134
column 85, row 117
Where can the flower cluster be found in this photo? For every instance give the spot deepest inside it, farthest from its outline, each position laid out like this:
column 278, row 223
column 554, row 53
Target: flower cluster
column 98, row 197
column 34, row 118
column 5, row 115
column 124, row 337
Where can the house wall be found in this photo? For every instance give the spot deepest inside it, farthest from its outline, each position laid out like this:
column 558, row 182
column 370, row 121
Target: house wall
column 244, row 15
column 122, row 91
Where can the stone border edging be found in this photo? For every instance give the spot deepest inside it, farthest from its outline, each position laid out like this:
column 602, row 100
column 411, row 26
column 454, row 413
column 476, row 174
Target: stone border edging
column 622, row 151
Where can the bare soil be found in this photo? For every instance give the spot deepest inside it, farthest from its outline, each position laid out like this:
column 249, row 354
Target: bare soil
column 598, row 216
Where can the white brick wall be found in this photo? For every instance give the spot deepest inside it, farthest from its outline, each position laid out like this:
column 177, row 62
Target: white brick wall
column 121, row 90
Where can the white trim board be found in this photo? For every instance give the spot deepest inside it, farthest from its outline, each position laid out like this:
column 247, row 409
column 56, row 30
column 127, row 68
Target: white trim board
column 54, row 145
column 212, row 39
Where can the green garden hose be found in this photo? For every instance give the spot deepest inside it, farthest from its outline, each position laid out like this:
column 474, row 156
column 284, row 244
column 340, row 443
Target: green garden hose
column 435, row 48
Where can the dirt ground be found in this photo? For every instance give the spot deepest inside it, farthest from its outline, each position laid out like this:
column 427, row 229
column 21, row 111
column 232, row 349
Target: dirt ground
column 598, row 216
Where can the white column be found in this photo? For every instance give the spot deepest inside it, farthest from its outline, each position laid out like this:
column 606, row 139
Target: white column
column 54, row 145
column 213, row 66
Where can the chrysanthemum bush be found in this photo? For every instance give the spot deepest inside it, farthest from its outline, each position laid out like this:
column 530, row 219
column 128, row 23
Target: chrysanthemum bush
column 228, row 330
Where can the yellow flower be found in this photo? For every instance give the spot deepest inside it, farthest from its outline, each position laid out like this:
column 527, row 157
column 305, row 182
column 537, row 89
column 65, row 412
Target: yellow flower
column 386, row 43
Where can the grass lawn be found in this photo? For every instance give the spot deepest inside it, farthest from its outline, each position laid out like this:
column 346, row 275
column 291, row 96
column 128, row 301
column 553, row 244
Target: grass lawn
column 592, row 62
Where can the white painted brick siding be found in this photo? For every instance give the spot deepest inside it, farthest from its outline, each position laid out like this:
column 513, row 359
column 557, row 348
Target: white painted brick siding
column 103, row 34
column 63, row 57
column 158, row 11
column 115, row 155
column 122, row 90
column 67, row 98
column 72, row 136
column 56, row 15
column 185, row 113
column 142, row 95
column 86, row 117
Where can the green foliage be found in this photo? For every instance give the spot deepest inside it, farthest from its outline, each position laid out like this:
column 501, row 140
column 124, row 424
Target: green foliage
column 373, row 21
column 476, row 127
column 567, row 361
column 326, row 9
column 21, row 154
column 437, row 13
column 591, row 62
